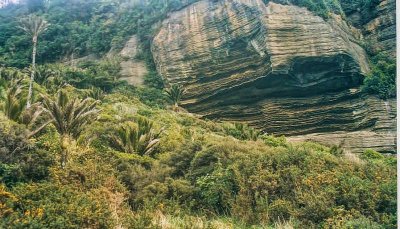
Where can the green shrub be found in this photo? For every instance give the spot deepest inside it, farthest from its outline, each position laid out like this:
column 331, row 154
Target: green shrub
column 151, row 96
column 47, row 205
column 315, row 205
column 180, row 160
column 362, row 222
column 382, row 78
column 217, row 190
column 349, row 220
column 20, row 160
column 91, row 76
column 154, row 80
column 31, row 166
column 371, row 154
column 271, row 140
column 336, row 150
column 280, row 210
column 205, row 161
column 241, row 131
column 356, row 193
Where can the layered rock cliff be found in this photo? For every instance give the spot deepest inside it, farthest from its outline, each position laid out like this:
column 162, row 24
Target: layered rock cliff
column 377, row 22
column 278, row 67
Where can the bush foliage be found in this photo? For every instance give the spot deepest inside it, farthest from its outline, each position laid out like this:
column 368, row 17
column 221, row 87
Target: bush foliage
column 217, row 173
column 382, row 78
column 164, row 169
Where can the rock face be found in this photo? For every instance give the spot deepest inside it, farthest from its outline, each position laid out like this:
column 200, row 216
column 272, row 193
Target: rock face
column 278, row 67
column 132, row 71
column 381, row 30
column 377, row 22
column 371, row 125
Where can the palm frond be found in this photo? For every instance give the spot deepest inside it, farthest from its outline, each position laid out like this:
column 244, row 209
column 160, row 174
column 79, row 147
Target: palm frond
column 14, row 105
column 33, row 25
column 175, row 93
column 135, row 137
column 69, row 116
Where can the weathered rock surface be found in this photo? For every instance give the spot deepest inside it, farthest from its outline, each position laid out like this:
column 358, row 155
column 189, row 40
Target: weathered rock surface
column 132, row 70
column 381, row 30
column 377, row 22
column 372, row 124
column 278, row 67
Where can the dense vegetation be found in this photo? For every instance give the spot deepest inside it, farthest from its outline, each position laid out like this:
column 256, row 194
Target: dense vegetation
column 93, row 27
column 382, row 78
column 94, row 152
column 80, row 28
column 141, row 166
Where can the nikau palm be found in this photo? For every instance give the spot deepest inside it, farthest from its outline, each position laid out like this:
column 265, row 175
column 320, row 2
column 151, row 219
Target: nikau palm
column 44, row 72
column 13, row 105
column 136, row 137
column 8, row 76
column 34, row 119
column 33, row 25
column 95, row 93
column 14, row 108
column 69, row 116
column 175, row 93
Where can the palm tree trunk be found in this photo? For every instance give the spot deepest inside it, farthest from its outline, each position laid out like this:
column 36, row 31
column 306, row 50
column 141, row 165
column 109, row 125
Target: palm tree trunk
column 28, row 101
column 64, row 143
column 64, row 156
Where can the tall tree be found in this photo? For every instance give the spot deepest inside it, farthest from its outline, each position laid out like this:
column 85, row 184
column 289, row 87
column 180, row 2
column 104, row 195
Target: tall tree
column 33, row 25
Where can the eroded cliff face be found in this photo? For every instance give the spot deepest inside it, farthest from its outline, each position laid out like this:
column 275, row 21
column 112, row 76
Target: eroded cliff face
column 278, row 67
column 132, row 71
column 376, row 21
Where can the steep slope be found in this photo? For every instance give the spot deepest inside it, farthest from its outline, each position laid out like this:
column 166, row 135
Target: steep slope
column 278, row 67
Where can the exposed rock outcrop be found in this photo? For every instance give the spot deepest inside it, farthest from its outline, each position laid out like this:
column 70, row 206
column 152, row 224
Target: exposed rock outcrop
column 278, row 67
column 132, row 70
column 381, row 30
column 377, row 22
column 368, row 123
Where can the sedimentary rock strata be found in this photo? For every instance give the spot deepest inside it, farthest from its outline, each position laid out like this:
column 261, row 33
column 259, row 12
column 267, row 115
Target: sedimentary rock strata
column 377, row 22
column 132, row 70
column 278, row 67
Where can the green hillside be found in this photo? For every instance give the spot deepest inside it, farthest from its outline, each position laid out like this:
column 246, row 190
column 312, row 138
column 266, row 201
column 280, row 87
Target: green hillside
column 92, row 151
